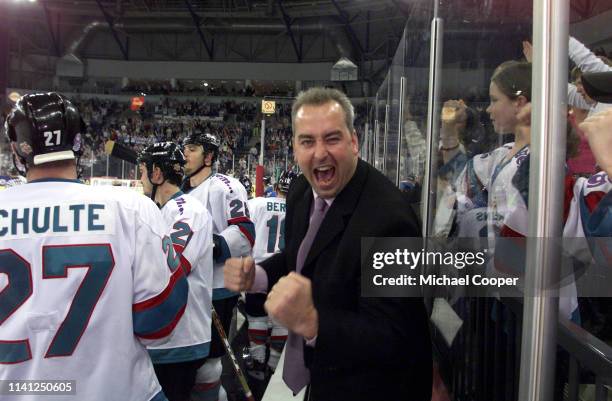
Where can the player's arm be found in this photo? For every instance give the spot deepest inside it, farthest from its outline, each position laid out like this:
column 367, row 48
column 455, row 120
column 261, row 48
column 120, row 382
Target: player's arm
column 159, row 283
column 239, row 236
column 182, row 236
column 195, row 246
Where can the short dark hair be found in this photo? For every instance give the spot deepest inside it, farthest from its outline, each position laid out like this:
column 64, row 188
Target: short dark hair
column 318, row 96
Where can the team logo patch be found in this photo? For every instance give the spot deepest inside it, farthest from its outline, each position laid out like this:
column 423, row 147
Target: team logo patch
column 521, row 156
column 597, row 180
column 25, row 148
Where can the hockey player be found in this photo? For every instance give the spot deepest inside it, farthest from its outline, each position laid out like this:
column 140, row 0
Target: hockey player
column 246, row 183
column 268, row 214
column 190, row 225
column 233, row 235
column 88, row 275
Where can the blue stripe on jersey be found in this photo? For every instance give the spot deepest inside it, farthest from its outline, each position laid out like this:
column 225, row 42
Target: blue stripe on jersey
column 247, row 227
column 598, row 223
column 74, row 181
column 225, row 251
column 14, row 351
column 179, row 354
column 157, row 317
column 222, row 293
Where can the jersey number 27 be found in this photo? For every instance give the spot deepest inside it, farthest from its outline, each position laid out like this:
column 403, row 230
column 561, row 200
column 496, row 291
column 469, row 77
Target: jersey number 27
column 97, row 259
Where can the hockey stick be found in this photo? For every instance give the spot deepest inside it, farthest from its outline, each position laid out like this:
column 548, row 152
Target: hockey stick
column 245, row 387
column 120, row 151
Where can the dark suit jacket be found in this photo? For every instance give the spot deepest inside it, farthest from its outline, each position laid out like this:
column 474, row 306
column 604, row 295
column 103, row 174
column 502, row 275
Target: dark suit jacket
column 370, row 349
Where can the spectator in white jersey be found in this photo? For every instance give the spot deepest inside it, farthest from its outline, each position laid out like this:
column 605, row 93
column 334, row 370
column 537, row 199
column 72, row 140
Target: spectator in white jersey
column 88, row 276
column 190, row 225
column 268, row 214
column 233, row 236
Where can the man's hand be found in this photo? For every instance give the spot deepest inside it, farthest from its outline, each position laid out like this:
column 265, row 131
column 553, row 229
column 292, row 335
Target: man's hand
column 598, row 130
column 239, row 273
column 523, row 118
column 290, row 304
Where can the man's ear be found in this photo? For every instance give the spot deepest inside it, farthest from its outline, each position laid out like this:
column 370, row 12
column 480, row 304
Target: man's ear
column 157, row 175
column 208, row 156
column 355, row 141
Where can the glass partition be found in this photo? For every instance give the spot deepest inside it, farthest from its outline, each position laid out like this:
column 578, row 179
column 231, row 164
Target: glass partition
column 381, row 125
column 394, row 106
column 481, row 170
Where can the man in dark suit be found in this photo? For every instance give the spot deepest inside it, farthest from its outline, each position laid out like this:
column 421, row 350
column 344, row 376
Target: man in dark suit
column 345, row 347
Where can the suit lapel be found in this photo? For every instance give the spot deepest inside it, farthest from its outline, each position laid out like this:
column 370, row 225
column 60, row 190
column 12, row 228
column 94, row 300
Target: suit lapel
column 336, row 218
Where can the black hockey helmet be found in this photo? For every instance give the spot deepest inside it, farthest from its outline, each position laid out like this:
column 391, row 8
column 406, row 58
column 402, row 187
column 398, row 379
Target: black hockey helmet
column 168, row 157
column 44, row 128
column 209, row 142
column 284, row 182
column 246, row 183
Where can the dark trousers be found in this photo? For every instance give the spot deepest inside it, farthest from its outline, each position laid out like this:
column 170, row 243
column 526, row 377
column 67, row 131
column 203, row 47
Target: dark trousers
column 225, row 310
column 177, row 379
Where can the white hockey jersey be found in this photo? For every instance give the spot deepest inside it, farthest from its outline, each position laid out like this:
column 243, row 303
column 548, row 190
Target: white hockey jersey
column 590, row 207
column 226, row 200
column 492, row 202
column 506, row 202
column 191, row 233
column 472, row 187
column 88, row 278
column 268, row 215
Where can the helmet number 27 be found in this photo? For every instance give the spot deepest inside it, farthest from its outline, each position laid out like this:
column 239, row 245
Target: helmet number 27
column 53, row 138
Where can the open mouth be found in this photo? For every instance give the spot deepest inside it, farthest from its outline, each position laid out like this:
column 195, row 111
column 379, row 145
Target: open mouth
column 324, row 175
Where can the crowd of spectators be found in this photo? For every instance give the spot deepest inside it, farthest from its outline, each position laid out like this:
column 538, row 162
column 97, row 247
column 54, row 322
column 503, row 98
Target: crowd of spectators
column 237, row 123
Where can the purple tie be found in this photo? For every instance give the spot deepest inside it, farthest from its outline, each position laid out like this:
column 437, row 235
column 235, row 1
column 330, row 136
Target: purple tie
column 295, row 373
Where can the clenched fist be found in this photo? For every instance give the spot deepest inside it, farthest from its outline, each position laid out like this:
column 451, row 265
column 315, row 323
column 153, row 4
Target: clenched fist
column 239, row 273
column 598, row 130
column 290, row 304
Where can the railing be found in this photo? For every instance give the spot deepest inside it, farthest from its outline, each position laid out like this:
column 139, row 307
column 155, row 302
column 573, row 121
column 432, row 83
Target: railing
column 484, row 360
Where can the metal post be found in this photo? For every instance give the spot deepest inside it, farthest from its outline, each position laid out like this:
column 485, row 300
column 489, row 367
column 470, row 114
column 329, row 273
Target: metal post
column 400, row 130
column 376, row 144
column 122, row 169
column 263, row 138
column 384, row 161
column 366, row 143
column 234, row 162
column 435, row 63
column 91, row 167
column 546, row 183
column 376, row 131
column 107, row 158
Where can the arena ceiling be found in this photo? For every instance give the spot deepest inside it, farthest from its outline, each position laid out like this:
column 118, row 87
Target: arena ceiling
column 212, row 30
column 288, row 31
